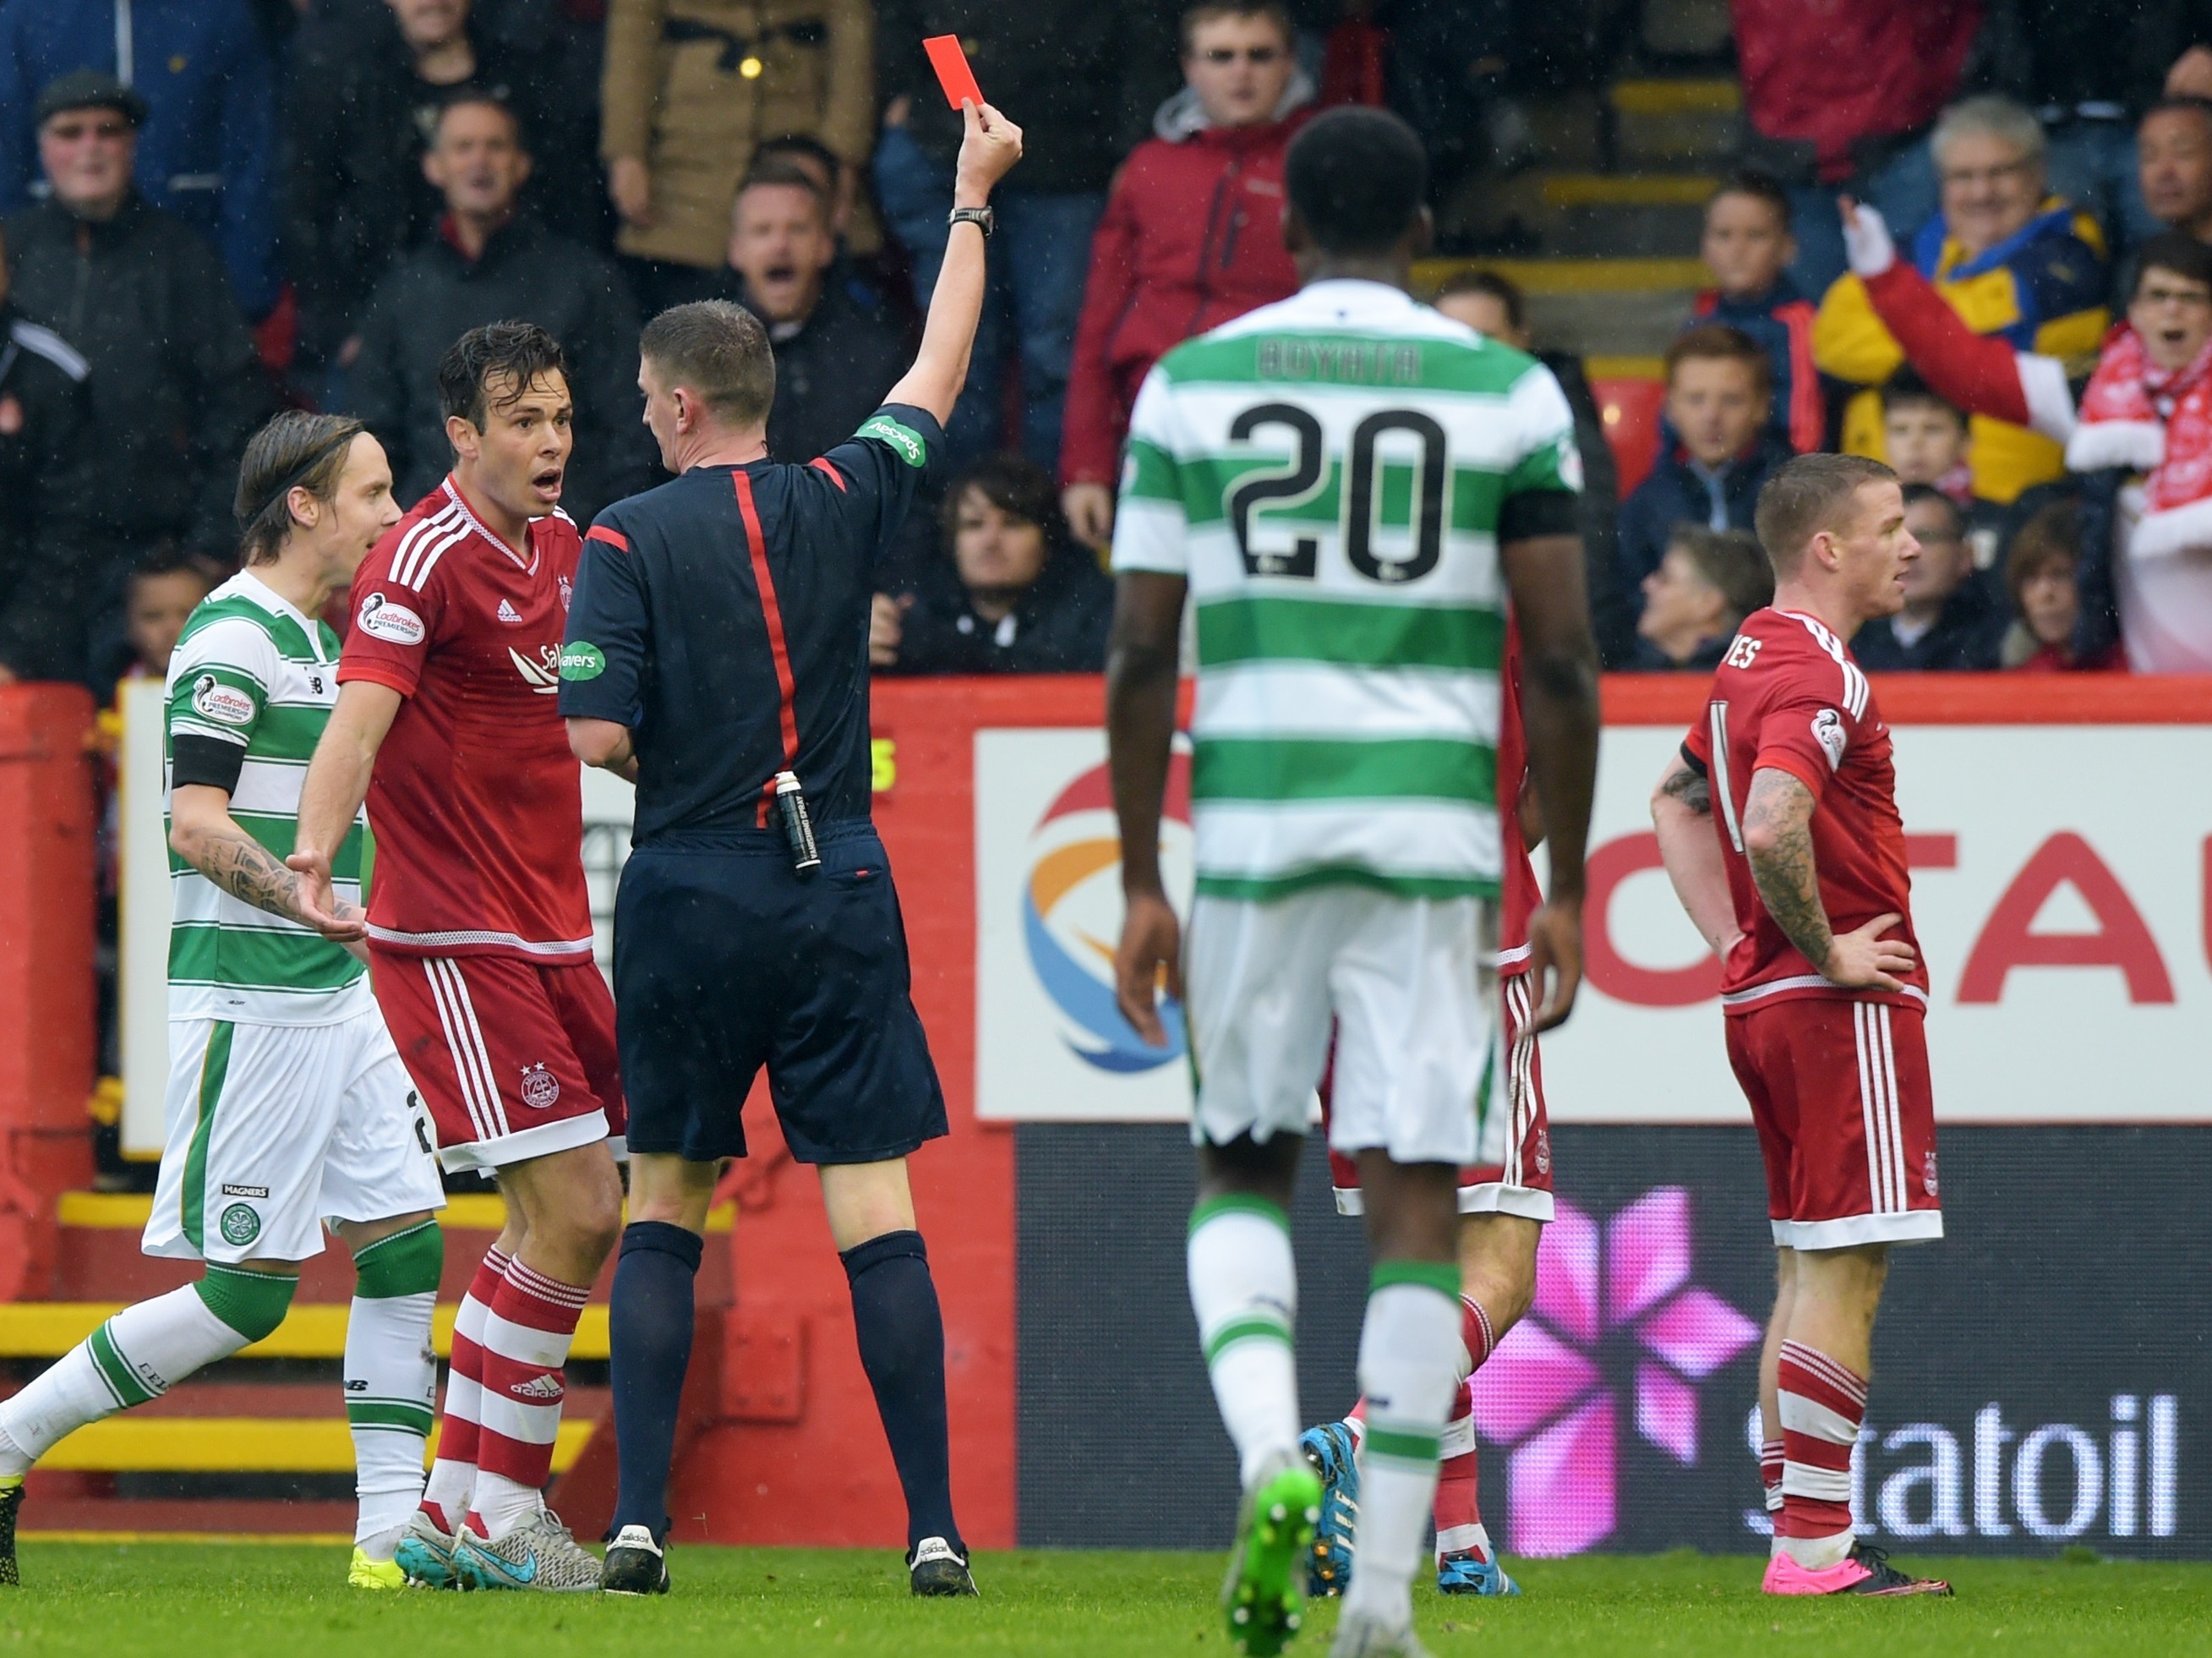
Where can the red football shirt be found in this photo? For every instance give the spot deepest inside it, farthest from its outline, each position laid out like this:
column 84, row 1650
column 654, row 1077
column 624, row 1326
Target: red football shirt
column 1519, row 894
column 1789, row 696
column 477, row 802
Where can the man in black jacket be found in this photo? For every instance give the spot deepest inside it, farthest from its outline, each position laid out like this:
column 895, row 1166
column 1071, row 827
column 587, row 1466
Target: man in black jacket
column 138, row 293
column 1950, row 622
column 365, row 95
column 836, row 353
column 47, row 480
column 489, row 263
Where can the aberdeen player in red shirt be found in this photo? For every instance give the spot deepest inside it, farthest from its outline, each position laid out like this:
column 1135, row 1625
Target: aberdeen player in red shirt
column 1779, row 828
column 1504, row 1199
column 480, row 930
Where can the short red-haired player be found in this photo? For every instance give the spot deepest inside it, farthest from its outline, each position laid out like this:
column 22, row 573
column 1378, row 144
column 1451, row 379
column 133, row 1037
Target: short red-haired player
column 1779, row 828
column 1504, row 1202
column 479, row 929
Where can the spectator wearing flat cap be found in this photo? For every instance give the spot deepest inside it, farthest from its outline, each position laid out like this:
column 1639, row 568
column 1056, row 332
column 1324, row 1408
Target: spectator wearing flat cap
column 207, row 108
column 140, row 295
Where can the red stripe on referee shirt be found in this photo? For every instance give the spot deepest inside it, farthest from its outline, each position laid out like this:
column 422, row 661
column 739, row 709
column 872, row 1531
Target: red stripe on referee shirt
column 612, row 538
column 771, row 612
column 821, row 464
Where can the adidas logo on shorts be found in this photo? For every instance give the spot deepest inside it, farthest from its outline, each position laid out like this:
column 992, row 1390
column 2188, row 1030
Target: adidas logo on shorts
column 543, row 1389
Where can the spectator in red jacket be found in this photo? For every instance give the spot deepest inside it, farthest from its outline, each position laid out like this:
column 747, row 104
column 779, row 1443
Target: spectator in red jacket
column 1192, row 234
column 1842, row 97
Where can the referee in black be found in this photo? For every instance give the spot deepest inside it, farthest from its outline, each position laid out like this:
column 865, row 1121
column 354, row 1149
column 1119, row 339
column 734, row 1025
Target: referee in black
column 718, row 654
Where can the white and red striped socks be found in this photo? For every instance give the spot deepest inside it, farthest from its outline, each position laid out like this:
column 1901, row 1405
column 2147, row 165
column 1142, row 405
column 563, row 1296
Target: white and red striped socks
column 1458, row 1506
column 1458, row 1512
column 1822, row 1405
column 453, row 1470
column 1770, row 1473
column 526, row 1332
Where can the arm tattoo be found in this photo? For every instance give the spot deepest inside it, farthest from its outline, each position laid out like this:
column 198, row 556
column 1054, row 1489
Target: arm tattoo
column 246, row 869
column 1694, row 791
column 1780, row 808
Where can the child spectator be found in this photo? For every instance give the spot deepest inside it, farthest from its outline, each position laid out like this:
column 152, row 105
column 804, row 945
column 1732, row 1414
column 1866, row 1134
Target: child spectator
column 1014, row 592
column 1719, row 389
column 1748, row 245
column 1931, row 441
column 1693, row 603
column 1491, row 304
column 1927, row 438
column 161, row 595
column 1949, row 621
column 2043, row 576
column 2147, row 412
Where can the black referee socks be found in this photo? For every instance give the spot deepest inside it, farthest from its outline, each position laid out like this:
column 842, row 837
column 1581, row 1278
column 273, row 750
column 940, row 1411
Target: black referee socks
column 902, row 1336
column 649, row 1344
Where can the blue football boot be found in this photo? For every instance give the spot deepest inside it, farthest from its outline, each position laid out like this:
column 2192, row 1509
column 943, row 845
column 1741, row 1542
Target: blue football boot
column 1470, row 1574
column 1333, row 1451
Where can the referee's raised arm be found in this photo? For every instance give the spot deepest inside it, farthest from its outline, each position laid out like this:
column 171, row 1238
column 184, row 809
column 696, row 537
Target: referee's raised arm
column 992, row 146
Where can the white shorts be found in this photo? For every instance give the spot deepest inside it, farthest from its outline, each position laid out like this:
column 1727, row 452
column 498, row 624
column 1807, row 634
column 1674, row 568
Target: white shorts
column 273, row 1128
column 1408, row 983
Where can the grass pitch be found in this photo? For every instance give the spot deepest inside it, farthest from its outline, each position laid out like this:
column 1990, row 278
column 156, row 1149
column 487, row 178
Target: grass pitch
column 238, row 1600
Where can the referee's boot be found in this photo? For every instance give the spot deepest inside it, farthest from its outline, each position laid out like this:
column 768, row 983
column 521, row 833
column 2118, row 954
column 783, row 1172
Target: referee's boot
column 935, row 1569
column 634, row 1563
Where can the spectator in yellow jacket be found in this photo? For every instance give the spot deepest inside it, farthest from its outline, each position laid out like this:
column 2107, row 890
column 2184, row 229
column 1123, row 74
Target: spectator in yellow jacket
column 691, row 88
column 2010, row 259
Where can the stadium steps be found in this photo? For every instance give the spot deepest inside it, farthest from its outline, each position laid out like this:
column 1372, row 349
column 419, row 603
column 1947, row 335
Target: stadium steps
column 258, row 1442
column 1617, row 204
column 1601, row 307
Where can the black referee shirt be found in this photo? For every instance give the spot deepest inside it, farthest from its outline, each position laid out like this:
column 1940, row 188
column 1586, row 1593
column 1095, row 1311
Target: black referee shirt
column 723, row 618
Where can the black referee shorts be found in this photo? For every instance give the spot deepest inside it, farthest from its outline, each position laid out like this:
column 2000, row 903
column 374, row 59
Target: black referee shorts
column 727, row 959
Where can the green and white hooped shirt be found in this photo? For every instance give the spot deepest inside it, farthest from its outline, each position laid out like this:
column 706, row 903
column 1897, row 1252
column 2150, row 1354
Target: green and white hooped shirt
column 1329, row 473
column 251, row 670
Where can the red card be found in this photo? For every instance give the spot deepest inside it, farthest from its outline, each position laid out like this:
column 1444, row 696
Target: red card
column 952, row 72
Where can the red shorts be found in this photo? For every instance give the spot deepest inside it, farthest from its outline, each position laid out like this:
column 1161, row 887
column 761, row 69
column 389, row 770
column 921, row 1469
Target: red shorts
column 515, row 1060
column 1514, row 1138
column 1847, row 1119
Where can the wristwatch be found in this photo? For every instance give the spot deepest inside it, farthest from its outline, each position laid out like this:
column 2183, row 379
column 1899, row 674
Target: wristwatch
column 981, row 218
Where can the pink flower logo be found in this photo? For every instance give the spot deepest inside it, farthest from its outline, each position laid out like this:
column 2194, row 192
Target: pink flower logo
column 1547, row 1394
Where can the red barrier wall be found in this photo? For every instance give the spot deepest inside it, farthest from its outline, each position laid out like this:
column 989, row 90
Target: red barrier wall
column 794, row 1453
column 47, row 935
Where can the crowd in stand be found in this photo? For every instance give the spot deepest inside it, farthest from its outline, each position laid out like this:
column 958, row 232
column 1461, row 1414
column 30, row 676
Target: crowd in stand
column 214, row 207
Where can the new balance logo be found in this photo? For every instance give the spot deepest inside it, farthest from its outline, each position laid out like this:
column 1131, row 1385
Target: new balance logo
column 507, row 612
column 542, row 1390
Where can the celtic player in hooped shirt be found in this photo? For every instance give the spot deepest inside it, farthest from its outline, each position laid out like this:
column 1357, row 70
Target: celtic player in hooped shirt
column 287, row 1106
column 1350, row 490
